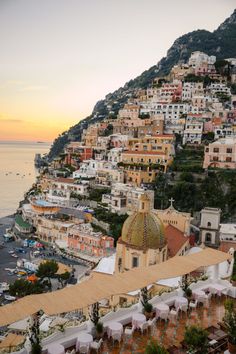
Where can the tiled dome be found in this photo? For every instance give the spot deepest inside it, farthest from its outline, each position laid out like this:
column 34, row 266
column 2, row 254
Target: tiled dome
column 143, row 229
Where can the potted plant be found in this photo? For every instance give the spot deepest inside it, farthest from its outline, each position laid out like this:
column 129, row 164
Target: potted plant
column 188, row 293
column 148, row 309
column 230, row 324
column 196, row 339
column 154, row 347
column 99, row 329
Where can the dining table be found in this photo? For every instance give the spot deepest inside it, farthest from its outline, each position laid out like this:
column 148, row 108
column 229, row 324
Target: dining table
column 84, row 339
column 138, row 319
column 114, row 328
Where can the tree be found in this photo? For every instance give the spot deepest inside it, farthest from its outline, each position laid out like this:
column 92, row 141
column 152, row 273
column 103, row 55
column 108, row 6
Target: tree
column 196, row 339
column 154, row 347
column 48, row 270
column 22, row 287
column 63, row 278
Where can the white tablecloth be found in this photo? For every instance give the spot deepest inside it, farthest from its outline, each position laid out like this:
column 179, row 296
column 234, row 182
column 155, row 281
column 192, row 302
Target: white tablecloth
column 217, row 287
column 83, row 339
column 138, row 319
column 162, row 308
column 56, row 349
column 180, row 301
column 199, row 295
column 114, row 327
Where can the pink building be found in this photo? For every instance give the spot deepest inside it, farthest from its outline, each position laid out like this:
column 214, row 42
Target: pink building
column 221, row 154
column 83, row 239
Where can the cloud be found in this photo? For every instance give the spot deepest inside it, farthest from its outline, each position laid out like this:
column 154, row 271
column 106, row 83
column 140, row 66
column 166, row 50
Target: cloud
column 33, row 88
column 11, row 120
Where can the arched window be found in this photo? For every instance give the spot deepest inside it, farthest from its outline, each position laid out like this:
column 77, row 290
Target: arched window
column 209, row 224
column 208, row 237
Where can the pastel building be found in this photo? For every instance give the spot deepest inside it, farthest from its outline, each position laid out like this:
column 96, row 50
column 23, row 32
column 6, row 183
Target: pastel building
column 124, row 198
column 83, row 240
column 193, row 131
column 221, row 154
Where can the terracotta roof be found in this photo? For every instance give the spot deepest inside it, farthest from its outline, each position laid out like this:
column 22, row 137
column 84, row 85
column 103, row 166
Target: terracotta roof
column 175, row 239
column 226, row 245
column 162, row 135
column 130, row 152
column 64, row 180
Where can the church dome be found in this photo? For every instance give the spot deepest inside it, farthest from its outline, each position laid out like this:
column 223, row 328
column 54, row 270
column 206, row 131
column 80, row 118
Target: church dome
column 143, row 229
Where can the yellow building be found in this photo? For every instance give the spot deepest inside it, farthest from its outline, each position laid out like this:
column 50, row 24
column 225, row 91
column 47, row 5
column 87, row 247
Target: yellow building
column 137, row 175
column 146, row 158
column 142, row 242
column 178, row 219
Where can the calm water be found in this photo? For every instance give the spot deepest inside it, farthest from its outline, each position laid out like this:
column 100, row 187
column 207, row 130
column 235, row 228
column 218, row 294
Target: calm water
column 17, row 172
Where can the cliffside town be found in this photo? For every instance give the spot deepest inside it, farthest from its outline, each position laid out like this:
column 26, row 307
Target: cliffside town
column 174, row 141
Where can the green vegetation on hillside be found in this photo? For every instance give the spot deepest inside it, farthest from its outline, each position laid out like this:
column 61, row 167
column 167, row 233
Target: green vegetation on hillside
column 192, row 192
column 114, row 220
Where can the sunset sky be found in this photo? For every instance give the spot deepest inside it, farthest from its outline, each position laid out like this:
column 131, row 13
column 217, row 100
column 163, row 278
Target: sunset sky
column 58, row 57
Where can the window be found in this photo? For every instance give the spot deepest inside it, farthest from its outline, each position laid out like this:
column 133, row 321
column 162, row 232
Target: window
column 209, row 224
column 208, row 237
column 229, row 150
column 216, row 150
column 135, row 262
column 215, row 158
column 228, row 159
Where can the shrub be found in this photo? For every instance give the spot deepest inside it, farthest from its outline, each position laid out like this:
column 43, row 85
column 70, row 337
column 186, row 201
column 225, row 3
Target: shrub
column 196, row 339
column 148, row 307
column 154, row 347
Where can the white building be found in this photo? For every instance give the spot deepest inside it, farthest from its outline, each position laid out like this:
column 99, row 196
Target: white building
column 114, row 155
column 209, row 226
column 125, row 198
column 193, row 131
column 228, row 232
column 198, row 58
column 219, row 88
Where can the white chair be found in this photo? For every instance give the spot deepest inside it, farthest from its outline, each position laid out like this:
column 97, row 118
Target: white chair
column 129, row 331
column 151, row 323
column 173, row 314
column 96, row 345
column 193, row 304
column 84, row 349
column 116, row 337
column 144, row 327
column 184, row 308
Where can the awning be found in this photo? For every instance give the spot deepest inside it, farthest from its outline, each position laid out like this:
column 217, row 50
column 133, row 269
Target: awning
column 101, row 286
column 11, row 341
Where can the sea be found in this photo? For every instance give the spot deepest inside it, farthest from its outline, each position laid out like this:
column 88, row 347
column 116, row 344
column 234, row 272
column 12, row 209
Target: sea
column 17, row 172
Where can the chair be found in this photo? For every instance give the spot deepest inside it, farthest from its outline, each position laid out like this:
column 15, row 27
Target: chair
column 96, row 345
column 144, row 327
column 184, row 308
column 116, row 337
column 173, row 314
column 129, row 331
column 151, row 323
column 193, row 304
column 84, row 349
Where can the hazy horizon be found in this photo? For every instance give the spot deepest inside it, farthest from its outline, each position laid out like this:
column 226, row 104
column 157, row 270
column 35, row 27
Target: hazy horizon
column 60, row 57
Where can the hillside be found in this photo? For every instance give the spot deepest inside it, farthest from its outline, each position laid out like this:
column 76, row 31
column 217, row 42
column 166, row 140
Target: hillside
column 221, row 43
